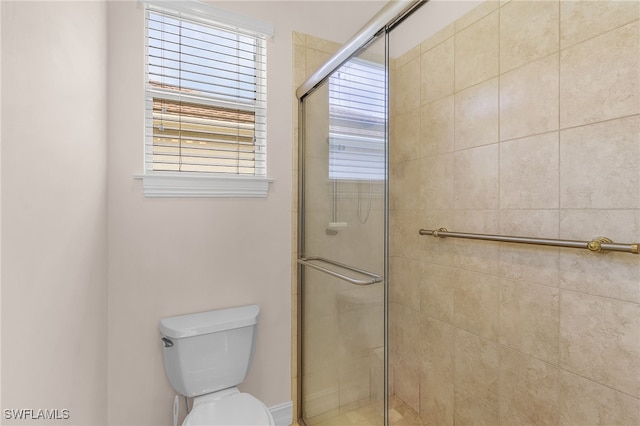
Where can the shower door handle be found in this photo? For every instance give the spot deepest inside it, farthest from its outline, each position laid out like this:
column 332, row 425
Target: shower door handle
column 371, row 277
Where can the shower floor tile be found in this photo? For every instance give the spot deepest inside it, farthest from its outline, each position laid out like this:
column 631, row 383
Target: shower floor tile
column 400, row 414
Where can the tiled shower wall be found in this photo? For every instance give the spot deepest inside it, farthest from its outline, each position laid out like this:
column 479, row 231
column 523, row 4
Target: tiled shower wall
column 520, row 118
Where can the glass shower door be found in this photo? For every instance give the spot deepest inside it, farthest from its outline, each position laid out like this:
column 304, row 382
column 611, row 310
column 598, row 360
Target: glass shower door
column 342, row 244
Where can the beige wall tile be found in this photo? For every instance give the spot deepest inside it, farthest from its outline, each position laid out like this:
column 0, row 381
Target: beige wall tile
column 477, row 367
column 317, row 129
column 472, row 411
column 377, row 368
column 407, row 383
column 477, row 52
column 529, row 172
column 539, row 223
column 617, row 224
column 476, row 305
column 437, row 127
column 476, row 115
column 361, row 330
column 599, row 79
column 394, row 341
column 299, row 66
column 583, row 402
column 477, row 256
column 405, row 333
column 437, row 250
column 405, row 240
column 600, row 165
column 599, row 340
column 472, row 255
column 405, row 141
column 408, row 87
column 321, row 338
column 437, row 78
column 404, row 282
column 582, row 20
column 320, row 390
column 436, row 182
column 539, row 265
column 529, row 30
column 528, row 389
column 514, row 188
column 393, row 88
column 359, row 298
column 406, row 185
column 436, row 399
column 355, row 382
column 614, row 275
column 529, row 99
column 477, row 221
column 323, row 292
column 436, row 347
column 534, row 264
column 476, row 178
column 437, row 292
column 529, row 315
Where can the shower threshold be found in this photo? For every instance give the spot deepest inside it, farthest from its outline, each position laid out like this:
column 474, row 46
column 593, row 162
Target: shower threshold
column 400, row 414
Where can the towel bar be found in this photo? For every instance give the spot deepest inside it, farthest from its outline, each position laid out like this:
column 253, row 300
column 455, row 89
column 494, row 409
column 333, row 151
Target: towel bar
column 598, row 245
column 372, row 278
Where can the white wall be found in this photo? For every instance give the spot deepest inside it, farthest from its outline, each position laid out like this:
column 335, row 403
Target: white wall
column 54, row 280
column 90, row 265
column 175, row 256
column 0, row 203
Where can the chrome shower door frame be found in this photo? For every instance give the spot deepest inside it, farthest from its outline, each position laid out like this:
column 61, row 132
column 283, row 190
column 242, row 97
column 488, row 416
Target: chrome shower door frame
column 389, row 16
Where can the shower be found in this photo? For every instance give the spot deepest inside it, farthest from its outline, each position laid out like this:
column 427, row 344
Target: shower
column 469, row 217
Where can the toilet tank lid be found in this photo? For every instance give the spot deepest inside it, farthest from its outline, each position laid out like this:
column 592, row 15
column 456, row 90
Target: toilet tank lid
column 209, row 322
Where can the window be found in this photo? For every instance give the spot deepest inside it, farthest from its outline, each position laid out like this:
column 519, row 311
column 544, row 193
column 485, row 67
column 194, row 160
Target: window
column 357, row 121
column 205, row 106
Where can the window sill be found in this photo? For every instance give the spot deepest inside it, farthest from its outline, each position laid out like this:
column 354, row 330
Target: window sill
column 172, row 184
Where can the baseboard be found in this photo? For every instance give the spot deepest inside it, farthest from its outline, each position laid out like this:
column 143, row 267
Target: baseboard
column 282, row 413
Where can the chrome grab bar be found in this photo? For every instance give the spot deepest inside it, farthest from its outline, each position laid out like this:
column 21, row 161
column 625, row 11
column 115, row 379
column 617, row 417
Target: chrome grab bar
column 373, row 278
column 598, row 245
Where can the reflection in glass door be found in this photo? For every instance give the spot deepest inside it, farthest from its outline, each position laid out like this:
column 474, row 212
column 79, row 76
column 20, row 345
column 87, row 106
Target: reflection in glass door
column 342, row 243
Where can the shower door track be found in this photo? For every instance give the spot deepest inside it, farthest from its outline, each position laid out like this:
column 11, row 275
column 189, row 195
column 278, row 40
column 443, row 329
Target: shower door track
column 392, row 12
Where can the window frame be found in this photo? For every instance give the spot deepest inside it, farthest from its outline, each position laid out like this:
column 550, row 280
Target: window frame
column 205, row 184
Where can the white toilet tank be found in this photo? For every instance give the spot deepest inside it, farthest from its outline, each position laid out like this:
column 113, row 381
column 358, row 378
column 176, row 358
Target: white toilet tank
column 209, row 351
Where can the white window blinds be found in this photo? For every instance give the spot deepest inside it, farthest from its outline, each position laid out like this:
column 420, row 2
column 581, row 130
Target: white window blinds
column 357, row 121
column 205, row 96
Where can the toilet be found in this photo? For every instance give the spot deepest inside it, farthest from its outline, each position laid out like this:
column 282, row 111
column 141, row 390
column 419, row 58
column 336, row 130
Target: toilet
column 206, row 355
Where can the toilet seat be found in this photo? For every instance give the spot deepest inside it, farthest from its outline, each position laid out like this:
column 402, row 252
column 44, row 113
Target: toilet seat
column 239, row 409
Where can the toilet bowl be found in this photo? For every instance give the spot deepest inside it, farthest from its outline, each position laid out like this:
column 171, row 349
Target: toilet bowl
column 206, row 355
column 235, row 409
